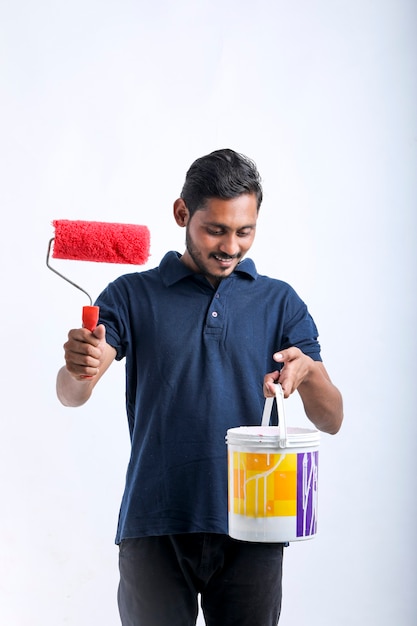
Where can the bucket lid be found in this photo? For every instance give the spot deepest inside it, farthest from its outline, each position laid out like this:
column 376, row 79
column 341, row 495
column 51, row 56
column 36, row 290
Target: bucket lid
column 271, row 437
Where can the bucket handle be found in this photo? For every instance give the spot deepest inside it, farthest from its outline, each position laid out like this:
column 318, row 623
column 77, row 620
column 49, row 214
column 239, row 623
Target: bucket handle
column 266, row 416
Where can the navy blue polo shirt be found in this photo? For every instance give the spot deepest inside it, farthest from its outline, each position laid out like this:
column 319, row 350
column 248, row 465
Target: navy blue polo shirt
column 195, row 357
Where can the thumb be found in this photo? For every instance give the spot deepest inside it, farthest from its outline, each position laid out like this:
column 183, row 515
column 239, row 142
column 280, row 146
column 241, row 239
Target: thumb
column 100, row 332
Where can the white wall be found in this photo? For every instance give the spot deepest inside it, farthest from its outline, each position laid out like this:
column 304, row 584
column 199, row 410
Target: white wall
column 104, row 105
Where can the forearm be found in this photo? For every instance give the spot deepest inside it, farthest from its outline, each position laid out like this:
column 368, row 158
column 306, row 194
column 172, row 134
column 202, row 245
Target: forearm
column 322, row 401
column 72, row 392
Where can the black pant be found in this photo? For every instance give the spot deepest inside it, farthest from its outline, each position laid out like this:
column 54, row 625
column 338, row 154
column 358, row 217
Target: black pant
column 161, row 577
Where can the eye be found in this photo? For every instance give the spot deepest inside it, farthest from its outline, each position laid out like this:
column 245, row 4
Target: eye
column 244, row 233
column 215, row 232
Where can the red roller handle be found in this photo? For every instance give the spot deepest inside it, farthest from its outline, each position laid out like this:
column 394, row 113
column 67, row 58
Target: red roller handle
column 90, row 317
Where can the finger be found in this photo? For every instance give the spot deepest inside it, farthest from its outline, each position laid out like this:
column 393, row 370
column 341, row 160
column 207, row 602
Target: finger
column 85, row 336
column 285, row 390
column 289, row 381
column 82, row 352
column 286, row 355
column 269, row 384
column 80, row 365
column 88, row 375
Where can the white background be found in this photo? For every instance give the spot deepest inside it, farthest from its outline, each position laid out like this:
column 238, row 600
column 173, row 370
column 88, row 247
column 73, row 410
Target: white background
column 104, row 105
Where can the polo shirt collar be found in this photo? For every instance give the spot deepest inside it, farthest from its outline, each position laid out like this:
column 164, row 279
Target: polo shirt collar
column 172, row 270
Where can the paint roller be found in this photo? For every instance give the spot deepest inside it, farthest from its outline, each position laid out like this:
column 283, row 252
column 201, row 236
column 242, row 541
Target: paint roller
column 100, row 242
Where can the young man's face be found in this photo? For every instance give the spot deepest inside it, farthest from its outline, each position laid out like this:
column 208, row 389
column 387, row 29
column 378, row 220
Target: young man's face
column 218, row 236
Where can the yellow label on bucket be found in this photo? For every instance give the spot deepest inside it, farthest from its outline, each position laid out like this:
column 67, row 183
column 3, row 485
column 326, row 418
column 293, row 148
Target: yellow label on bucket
column 264, row 485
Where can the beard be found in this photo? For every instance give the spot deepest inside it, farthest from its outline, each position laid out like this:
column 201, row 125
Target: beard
column 202, row 265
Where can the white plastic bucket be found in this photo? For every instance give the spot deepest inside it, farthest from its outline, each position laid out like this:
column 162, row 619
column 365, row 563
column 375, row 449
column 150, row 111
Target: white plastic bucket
column 272, row 479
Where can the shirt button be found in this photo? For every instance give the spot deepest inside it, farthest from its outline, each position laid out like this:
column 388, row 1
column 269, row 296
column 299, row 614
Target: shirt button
column 214, row 314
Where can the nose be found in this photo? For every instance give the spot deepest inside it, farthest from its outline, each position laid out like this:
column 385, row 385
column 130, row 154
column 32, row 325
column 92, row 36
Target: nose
column 230, row 244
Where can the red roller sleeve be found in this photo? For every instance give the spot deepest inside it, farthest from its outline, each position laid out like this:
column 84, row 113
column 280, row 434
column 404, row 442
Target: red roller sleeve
column 102, row 242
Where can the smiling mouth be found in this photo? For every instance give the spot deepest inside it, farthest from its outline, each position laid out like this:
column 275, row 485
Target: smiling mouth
column 224, row 258
column 224, row 261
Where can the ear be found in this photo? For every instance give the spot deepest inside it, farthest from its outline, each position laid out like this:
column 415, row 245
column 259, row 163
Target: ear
column 181, row 213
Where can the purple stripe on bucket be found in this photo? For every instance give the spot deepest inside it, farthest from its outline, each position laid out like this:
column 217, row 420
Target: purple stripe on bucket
column 307, row 477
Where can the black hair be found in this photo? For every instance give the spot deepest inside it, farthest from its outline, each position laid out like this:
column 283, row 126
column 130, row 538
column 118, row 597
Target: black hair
column 223, row 174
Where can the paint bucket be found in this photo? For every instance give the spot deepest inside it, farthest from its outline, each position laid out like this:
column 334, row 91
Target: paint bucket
column 272, row 479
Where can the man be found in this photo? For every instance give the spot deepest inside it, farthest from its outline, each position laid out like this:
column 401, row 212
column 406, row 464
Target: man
column 205, row 338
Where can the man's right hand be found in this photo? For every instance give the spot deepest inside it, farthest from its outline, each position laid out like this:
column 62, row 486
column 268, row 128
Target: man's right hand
column 85, row 352
column 87, row 357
